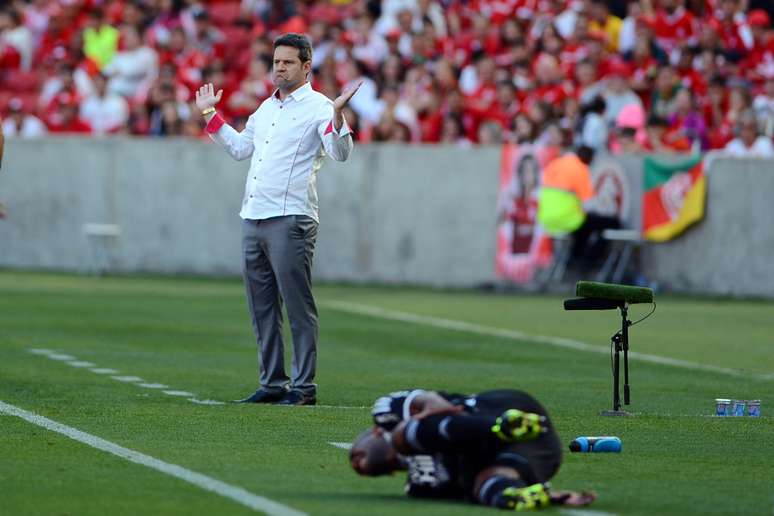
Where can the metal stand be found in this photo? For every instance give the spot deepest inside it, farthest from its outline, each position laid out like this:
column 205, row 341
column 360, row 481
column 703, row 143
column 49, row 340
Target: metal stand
column 620, row 342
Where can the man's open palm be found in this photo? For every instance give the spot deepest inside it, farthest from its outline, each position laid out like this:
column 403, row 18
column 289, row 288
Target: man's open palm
column 343, row 99
column 206, row 97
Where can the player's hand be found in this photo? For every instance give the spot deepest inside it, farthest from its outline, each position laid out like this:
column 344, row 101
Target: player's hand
column 343, row 99
column 206, row 97
column 572, row 498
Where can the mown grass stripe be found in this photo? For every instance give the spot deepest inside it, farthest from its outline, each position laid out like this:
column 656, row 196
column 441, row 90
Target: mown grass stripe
column 237, row 494
column 451, row 324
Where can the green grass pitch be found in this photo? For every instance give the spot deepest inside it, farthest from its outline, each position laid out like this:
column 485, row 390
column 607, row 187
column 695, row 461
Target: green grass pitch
column 193, row 335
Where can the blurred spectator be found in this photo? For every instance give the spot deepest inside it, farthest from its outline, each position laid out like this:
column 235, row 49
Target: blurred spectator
column 204, row 36
column 169, row 121
column 104, row 111
column 764, row 107
column 627, row 141
column 662, row 139
column 490, row 133
column 665, row 92
column 750, row 142
column 605, row 23
column 617, row 93
column 452, row 132
column 254, row 88
column 527, row 65
column 100, row 39
column 687, row 121
column 16, row 35
column 20, row 123
column 64, row 117
column 133, row 67
column 64, row 81
column 593, row 131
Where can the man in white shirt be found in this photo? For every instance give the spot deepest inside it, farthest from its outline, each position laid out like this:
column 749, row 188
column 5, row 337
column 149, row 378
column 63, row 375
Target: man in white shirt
column 286, row 138
column 21, row 124
column 749, row 142
column 104, row 111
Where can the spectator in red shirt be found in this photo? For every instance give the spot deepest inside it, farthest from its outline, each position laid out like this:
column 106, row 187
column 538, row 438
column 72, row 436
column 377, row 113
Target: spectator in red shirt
column 65, row 118
column 673, row 24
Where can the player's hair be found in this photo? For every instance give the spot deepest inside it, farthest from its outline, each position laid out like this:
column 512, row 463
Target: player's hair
column 295, row 40
column 377, row 450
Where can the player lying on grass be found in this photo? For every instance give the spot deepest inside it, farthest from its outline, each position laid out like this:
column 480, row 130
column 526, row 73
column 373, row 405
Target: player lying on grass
column 496, row 448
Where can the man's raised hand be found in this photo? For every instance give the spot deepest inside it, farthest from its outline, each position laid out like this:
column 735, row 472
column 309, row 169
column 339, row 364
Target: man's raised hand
column 343, row 99
column 206, row 97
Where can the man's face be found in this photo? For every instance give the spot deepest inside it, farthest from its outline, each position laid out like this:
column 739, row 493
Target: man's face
column 288, row 71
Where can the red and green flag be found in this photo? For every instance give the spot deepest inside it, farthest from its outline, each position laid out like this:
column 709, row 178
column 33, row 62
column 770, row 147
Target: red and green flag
column 674, row 197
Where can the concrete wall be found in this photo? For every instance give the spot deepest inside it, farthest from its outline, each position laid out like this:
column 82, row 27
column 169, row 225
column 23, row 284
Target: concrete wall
column 393, row 214
column 731, row 251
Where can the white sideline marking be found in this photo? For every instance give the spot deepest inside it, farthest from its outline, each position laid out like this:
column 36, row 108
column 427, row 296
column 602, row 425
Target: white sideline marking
column 40, row 351
column 585, row 512
column 237, row 494
column 180, row 393
column 103, row 370
column 343, row 446
column 153, row 385
column 450, row 324
column 80, row 363
column 128, row 379
column 61, row 357
column 206, row 402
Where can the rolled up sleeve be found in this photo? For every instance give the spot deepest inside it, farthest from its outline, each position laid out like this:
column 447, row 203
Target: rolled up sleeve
column 239, row 145
column 337, row 144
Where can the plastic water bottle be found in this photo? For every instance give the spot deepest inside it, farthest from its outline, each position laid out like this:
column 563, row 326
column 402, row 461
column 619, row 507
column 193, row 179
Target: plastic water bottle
column 604, row 444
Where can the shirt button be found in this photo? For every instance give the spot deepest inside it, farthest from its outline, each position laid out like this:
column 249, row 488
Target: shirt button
column 267, row 141
column 260, row 159
column 255, row 177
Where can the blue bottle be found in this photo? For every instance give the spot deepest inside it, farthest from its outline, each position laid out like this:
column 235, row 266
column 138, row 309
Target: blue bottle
column 604, row 444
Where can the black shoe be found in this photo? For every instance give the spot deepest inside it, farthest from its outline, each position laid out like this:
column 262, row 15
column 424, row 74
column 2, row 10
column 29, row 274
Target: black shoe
column 264, row 396
column 297, row 398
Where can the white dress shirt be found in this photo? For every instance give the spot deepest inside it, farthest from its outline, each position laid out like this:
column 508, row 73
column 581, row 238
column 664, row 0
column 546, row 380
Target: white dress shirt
column 287, row 141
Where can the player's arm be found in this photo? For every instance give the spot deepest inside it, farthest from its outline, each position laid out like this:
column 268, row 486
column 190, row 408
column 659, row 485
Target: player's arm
column 399, row 406
column 239, row 145
column 428, row 403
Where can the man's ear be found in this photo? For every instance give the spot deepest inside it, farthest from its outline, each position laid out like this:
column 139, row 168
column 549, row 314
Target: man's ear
column 307, row 67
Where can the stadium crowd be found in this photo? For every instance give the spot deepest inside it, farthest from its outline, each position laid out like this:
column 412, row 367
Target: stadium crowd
column 628, row 76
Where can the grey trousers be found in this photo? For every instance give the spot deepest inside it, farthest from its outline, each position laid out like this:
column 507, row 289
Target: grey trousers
column 277, row 265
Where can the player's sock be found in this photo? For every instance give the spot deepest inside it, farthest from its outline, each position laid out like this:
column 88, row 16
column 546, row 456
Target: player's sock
column 515, row 425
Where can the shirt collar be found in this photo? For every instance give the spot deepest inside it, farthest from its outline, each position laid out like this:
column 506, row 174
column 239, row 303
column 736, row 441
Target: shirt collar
column 298, row 95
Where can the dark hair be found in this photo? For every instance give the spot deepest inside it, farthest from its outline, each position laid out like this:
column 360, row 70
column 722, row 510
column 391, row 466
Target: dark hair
column 595, row 105
column 657, row 121
column 295, row 40
column 585, row 154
